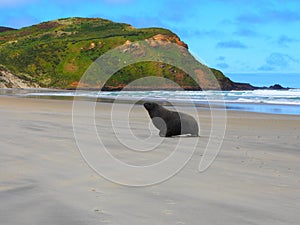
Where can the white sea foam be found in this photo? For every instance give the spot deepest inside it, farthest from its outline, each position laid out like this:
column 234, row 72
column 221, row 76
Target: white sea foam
column 285, row 97
column 269, row 99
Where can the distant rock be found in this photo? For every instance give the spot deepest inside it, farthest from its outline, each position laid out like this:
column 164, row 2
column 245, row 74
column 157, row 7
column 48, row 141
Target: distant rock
column 277, row 87
column 243, row 86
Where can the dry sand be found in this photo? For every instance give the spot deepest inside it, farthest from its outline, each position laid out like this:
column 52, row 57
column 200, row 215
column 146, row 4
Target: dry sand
column 44, row 180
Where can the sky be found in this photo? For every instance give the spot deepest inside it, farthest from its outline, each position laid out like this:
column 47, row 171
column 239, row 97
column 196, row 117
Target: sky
column 255, row 41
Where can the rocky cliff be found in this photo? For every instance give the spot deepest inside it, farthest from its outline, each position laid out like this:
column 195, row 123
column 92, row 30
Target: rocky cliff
column 9, row 80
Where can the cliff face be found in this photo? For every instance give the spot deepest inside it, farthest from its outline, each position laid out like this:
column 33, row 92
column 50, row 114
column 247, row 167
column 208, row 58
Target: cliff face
column 161, row 39
column 9, row 80
column 56, row 54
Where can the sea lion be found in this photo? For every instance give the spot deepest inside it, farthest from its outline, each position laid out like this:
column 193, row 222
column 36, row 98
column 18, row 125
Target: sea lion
column 171, row 123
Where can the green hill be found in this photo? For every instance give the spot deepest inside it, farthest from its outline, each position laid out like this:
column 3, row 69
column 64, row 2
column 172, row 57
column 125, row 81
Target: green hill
column 56, row 54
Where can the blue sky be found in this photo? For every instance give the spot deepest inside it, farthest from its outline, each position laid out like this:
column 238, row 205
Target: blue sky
column 239, row 37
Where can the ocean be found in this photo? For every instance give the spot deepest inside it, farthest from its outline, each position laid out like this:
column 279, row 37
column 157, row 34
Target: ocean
column 261, row 101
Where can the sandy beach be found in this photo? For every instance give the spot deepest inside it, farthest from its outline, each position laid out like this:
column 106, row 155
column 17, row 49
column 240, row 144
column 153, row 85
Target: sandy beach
column 44, row 180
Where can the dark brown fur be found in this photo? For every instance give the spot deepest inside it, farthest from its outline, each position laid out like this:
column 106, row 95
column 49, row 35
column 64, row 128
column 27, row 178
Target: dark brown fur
column 171, row 123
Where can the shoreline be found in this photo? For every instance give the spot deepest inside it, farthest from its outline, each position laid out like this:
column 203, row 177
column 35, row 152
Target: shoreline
column 65, row 100
column 258, row 107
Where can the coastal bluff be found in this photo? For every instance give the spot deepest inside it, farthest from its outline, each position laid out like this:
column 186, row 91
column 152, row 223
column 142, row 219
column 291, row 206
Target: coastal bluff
column 55, row 54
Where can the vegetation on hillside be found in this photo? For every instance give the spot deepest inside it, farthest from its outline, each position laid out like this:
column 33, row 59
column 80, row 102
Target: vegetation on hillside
column 57, row 53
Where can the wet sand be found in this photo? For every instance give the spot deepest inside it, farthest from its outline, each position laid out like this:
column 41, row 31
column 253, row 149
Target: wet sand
column 44, row 180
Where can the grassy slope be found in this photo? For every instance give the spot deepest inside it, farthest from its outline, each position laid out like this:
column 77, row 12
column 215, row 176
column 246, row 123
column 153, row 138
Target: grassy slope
column 56, row 53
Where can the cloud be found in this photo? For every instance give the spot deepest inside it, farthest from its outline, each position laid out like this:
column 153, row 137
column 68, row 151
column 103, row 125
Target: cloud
column 209, row 33
column 220, row 58
column 12, row 3
column 118, row 1
column 231, row 44
column 187, row 32
column 284, row 16
column 266, row 68
column 199, row 33
column 250, row 18
column 113, row 2
column 222, row 65
column 244, row 32
column 143, row 21
column 270, row 16
column 284, row 40
column 277, row 60
column 280, row 60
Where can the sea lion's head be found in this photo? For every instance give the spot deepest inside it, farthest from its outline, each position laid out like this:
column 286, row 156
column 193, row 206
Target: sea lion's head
column 150, row 106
